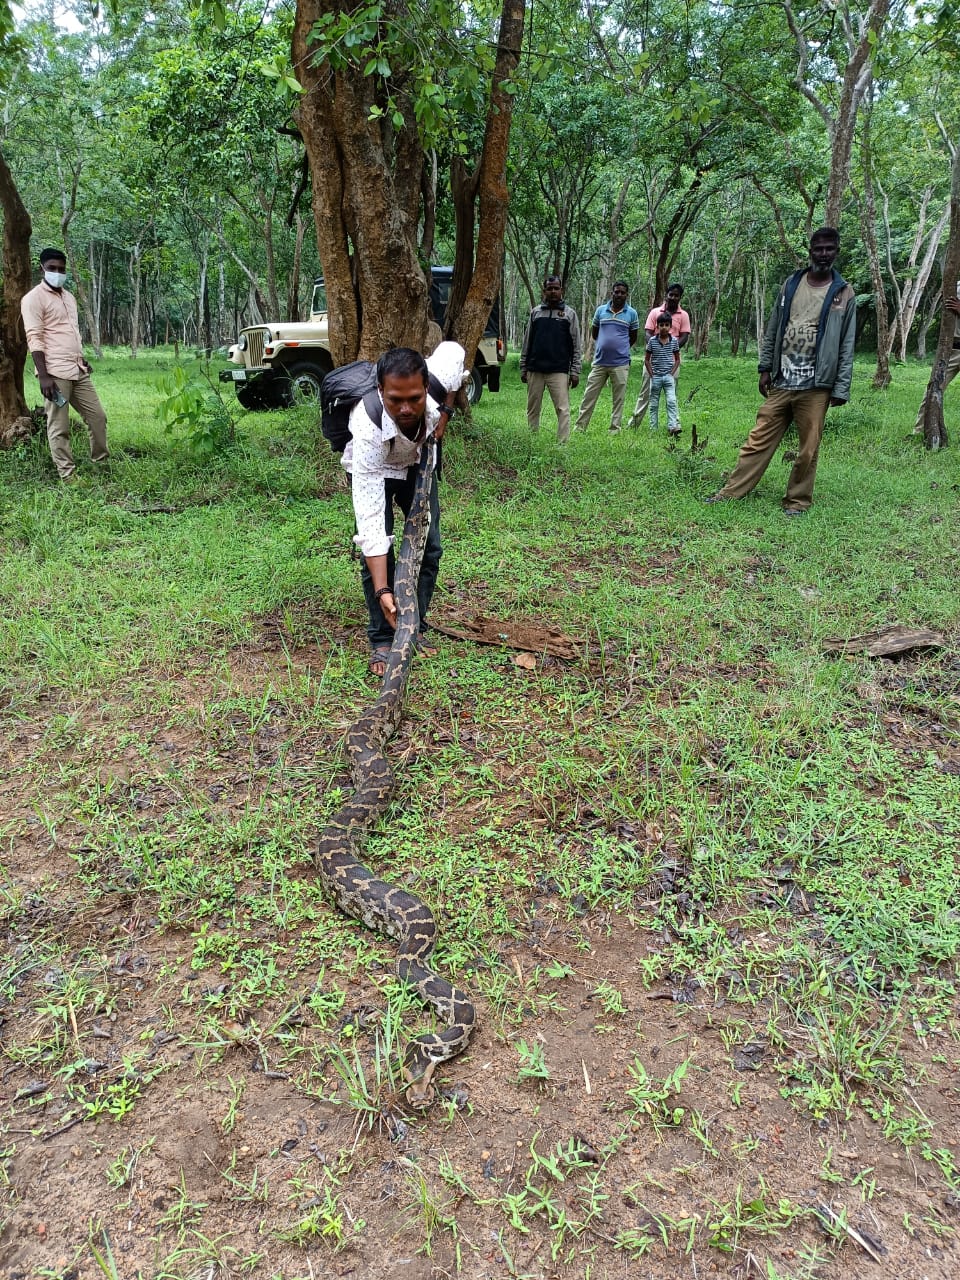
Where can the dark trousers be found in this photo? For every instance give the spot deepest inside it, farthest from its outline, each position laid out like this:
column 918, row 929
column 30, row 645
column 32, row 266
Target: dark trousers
column 379, row 631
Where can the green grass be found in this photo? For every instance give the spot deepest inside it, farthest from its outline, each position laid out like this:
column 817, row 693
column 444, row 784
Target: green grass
column 181, row 651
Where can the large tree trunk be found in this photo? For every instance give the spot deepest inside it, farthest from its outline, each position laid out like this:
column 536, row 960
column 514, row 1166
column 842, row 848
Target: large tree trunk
column 367, row 178
column 477, row 282
column 934, row 428
column 15, row 421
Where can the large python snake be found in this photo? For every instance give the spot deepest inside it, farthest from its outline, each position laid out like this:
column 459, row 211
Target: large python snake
column 355, row 889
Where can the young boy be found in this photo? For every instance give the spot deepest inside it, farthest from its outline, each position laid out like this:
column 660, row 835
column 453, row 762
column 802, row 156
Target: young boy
column 662, row 361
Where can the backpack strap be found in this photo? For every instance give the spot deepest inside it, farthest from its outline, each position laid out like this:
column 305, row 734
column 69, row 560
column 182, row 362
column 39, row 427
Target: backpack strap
column 373, row 406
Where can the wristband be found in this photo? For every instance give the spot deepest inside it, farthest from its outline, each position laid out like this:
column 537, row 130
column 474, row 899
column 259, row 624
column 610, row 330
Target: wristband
column 448, row 409
column 384, row 591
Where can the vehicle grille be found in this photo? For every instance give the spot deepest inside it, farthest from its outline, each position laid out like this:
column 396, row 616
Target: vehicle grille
column 253, row 356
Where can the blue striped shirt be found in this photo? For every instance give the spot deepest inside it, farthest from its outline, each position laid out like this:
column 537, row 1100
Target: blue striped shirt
column 613, row 340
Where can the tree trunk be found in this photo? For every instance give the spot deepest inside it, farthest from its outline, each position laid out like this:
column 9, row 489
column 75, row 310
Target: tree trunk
column 934, row 428
column 742, row 297
column 68, row 204
column 926, row 323
column 135, row 288
column 471, row 303
column 611, row 253
column 97, row 275
column 841, row 126
column 868, row 225
column 758, row 306
column 293, row 285
column 219, row 336
column 367, row 177
column 15, row 421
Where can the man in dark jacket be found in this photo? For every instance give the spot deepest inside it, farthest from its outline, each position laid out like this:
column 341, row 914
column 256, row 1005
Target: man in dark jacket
column 551, row 357
column 806, row 365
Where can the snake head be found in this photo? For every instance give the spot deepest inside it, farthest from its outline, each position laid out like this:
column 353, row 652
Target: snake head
column 418, row 1070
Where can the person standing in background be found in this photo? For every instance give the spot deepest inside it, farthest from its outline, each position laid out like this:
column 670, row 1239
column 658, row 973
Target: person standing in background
column 615, row 329
column 680, row 328
column 550, row 358
column 53, row 336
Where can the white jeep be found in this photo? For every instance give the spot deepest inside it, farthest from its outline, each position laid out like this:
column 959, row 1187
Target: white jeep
column 277, row 364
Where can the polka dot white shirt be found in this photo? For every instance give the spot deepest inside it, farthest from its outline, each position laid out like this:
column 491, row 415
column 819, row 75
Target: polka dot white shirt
column 375, row 454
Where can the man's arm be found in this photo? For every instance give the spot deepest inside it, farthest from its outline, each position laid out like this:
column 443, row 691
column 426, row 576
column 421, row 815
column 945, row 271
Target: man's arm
column 683, row 337
column 524, row 349
column 840, row 393
column 577, row 347
column 765, row 361
column 48, row 383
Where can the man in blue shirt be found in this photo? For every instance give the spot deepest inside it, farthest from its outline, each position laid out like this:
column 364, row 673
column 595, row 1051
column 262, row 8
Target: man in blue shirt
column 615, row 329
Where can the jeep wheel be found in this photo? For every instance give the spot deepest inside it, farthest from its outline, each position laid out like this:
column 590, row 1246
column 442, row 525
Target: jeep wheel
column 474, row 386
column 303, row 381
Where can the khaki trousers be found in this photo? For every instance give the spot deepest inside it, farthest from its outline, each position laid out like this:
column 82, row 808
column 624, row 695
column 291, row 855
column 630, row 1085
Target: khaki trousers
column 600, row 375
column 81, row 396
column 558, row 385
column 808, row 409
column 953, row 368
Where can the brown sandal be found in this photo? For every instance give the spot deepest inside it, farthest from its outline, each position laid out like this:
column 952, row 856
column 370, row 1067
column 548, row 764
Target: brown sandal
column 377, row 662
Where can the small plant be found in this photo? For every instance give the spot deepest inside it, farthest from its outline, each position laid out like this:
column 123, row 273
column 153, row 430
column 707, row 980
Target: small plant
column 611, row 1001
column 654, row 1097
column 120, row 1170
column 232, row 1113
column 372, row 1089
column 532, row 1063
column 103, row 1256
column 325, row 1219
column 200, row 413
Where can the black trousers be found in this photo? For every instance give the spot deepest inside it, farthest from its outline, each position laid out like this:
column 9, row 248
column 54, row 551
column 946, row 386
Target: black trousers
column 400, row 492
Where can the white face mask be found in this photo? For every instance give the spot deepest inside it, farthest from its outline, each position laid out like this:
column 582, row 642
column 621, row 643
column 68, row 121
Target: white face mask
column 55, row 279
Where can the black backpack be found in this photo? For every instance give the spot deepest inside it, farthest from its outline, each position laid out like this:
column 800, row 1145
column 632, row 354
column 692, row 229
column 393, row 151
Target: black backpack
column 347, row 386
column 339, row 392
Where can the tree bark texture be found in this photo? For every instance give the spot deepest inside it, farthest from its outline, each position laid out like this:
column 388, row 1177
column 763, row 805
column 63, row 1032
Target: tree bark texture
column 934, row 428
column 366, row 177
column 481, row 202
column 15, row 421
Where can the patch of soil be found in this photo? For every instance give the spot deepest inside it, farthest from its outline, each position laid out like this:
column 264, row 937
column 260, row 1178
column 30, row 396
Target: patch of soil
column 196, row 1144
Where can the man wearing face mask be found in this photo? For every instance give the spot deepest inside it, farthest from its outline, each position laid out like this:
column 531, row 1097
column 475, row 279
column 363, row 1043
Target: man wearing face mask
column 53, row 336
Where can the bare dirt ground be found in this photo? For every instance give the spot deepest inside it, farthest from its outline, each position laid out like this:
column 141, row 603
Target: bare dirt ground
column 208, row 1148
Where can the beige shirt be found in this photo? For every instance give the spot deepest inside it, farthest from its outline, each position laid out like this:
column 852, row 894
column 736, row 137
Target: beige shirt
column 50, row 319
column 798, row 352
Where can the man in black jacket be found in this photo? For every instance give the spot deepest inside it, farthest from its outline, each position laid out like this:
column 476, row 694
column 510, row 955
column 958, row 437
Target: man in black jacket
column 551, row 357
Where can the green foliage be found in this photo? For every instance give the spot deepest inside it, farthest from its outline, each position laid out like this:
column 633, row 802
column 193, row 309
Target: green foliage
column 198, row 412
column 429, row 63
